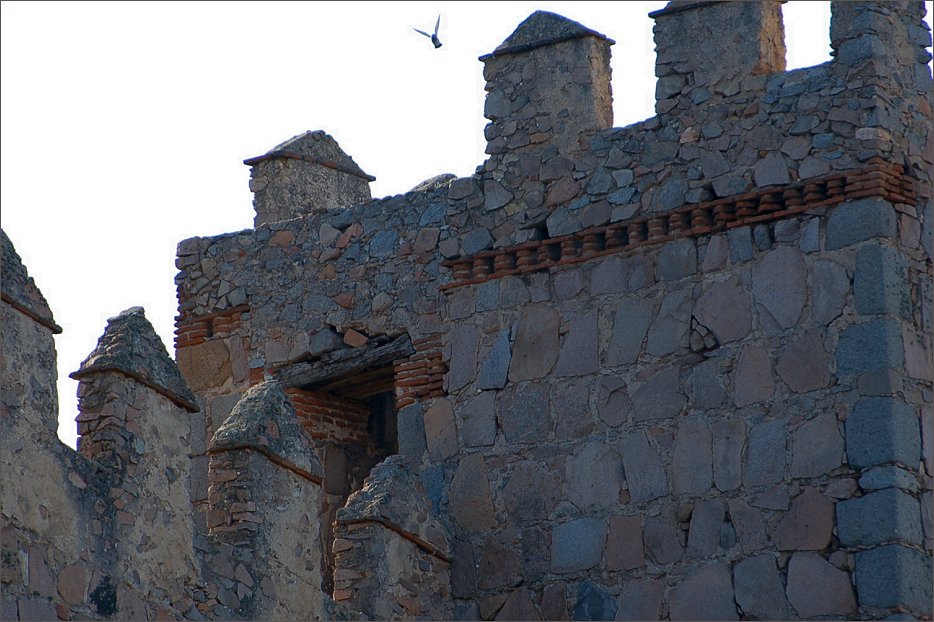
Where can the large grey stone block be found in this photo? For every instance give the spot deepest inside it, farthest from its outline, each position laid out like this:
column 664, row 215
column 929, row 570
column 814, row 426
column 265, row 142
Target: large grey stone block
column 676, row 259
column 749, row 526
column 880, row 284
column 707, row 388
column 609, row 276
column 759, row 590
column 740, row 240
column 513, row 291
column 855, row 221
column 807, row 525
column 524, row 413
column 411, row 431
column 660, row 396
column 662, row 537
column 613, row 403
column 726, row 309
column 624, row 550
column 470, row 499
column 478, row 420
column 568, row 284
column 805, row 364
column 882, row 430
column 571, row 404
column 889, row 515
column 669, row 331
column 465, row 339
column 880, row 478
column 487, row 296
column 705, row 528
column 816, row 447
column 494, row 367
column 765, row 457
column 593, row 603
column 645, row 473
column 593, row 477
column 753, row 380
column 816, row 587
column 536, row 347
column 580, row 353
column 779, row 284
column 640, row 599
column 829, row 287
column 630, row 326
column 729, row 438
column 707, row 594
column 577, row 545
column 868, row 346
column 440, row 430
column 691, row 460
column 894, row 576
column 530, row 492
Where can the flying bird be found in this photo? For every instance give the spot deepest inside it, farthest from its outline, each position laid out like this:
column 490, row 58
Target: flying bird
column 434, row 37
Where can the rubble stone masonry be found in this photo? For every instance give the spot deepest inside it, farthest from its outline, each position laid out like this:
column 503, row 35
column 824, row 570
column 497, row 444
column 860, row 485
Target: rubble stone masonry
column 677, row 370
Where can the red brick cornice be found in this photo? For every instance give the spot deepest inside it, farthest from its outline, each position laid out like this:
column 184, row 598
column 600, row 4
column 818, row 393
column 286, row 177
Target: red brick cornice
column 877, row 179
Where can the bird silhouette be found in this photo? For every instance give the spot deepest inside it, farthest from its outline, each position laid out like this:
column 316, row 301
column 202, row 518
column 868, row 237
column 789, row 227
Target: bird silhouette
column 434, row 37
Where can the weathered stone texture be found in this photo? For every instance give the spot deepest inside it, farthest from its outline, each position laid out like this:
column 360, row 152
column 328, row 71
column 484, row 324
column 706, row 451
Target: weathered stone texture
column 577, row 545
column 706, row 594
column 671, row 370
column 816, row 587
column 759, row 589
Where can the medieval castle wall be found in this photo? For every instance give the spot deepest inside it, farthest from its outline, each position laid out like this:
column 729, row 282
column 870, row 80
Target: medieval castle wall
column 677, row 370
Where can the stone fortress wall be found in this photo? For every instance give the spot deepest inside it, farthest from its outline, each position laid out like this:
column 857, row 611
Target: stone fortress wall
column 681, row 369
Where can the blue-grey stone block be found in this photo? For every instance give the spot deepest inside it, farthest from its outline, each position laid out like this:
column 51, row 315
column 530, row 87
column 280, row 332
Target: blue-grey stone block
column 487, row 296
column 435, row 486
column 466, row 610
column 477, row 240
column 435, row 213
column 855, row 221
column 765, row 459
column 740, row 240
column 593, row 603
column 676, row 259
column 577, row 545
column 894, row 576
column 881, row 478
column 870, row 345
column 810, row 236
column 383, row 243
column 493, row 369
column 880, row 284
column 889, row 515
column 411, row 429
column 882, row 430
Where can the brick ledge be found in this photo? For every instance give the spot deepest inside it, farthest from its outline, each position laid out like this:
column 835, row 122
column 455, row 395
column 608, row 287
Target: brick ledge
column 877, row 179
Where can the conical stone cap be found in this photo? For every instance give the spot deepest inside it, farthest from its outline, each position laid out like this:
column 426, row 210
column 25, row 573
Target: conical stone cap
column 393, row 495
column 19, row 290
column 131, row 346
column 543, row 28
column 264, row 419
column 317, row 146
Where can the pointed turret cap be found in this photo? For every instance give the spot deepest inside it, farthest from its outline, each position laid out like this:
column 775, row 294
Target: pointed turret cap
column 393, row 495
column 543, row 28
column 264, row 419
column 131, row 346
column 19, row 290
column 318, row 147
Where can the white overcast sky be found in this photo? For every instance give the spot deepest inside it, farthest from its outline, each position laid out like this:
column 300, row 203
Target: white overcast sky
column 125, row 124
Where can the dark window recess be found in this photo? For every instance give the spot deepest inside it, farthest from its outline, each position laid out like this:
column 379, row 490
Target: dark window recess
column 381, row 426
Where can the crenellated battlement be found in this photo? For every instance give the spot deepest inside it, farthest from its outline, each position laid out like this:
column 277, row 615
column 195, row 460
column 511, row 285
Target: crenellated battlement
column 680, row 369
